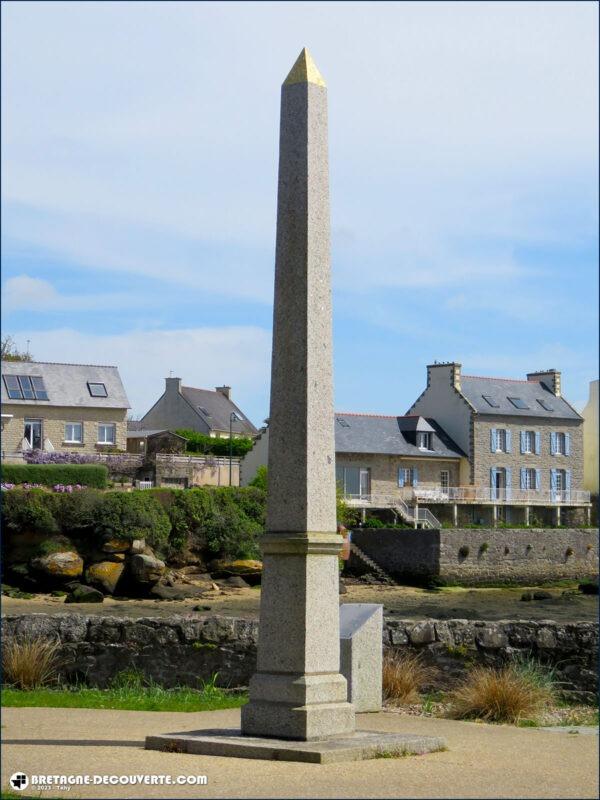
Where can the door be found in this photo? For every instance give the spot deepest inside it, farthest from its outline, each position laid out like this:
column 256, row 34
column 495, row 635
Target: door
column 444, row 482
column 365, row 483
column 498, row 483
column 33, row 433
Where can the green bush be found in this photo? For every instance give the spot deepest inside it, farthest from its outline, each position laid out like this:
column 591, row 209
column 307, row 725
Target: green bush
column 259, row 481
column 30, row 511
column 132, row 515
column 201, row 443
column 52, row 474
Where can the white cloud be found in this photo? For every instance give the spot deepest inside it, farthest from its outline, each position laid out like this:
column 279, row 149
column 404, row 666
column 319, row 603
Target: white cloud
column 202, row 357
column 34, row 294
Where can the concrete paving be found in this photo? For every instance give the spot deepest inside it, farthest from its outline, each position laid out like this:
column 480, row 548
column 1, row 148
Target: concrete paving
column 483, row 761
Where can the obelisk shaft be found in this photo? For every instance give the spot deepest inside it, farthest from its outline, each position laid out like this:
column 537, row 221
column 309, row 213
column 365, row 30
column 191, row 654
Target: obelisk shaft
column 298, row 692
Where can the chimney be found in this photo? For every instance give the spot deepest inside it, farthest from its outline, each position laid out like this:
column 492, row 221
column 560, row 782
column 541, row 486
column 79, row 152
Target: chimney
column 445, row 371
column 225, row 390
column 173, row 385
column 549, row 377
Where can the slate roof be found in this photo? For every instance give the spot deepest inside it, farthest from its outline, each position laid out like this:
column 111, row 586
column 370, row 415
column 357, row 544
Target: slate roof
column 500, row 389
column 219, row 408
column 368, row 433
column 138, row 433
column 66, row 384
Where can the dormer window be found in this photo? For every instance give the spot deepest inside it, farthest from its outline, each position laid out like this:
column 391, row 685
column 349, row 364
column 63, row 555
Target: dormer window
column 424, row 441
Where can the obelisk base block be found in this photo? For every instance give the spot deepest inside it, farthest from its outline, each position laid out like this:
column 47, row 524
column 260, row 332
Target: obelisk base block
column 297, row 691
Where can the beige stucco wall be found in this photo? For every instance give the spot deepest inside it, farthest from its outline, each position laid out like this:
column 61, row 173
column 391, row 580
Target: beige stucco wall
column 257, row 457
column 590, row 440
column 53, row 426
column 484, row 459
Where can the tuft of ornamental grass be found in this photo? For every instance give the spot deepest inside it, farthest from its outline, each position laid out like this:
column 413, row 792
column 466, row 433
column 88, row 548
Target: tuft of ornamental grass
column 404, row 675
column 31, row 662
column 518, row 691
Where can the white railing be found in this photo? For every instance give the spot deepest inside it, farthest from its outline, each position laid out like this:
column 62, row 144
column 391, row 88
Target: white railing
column 207, row 460
column 471, row 494
column 412, row 515
column 144, row 484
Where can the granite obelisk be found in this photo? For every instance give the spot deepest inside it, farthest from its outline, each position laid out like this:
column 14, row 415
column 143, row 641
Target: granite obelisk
column 298, row 691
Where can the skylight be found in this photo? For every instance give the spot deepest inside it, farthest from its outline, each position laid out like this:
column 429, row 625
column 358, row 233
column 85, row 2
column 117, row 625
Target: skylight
column 490, row 401
column 204, row 411
column 342, row 422
column 545, row 404
column 25, row 387
column 518, row 403
column 97, row 389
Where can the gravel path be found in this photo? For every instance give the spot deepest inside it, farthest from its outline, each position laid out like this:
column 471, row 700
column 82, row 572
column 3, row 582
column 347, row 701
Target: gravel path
column 483, row 761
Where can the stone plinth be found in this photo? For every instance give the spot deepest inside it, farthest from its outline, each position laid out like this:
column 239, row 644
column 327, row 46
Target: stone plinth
column 361, row 652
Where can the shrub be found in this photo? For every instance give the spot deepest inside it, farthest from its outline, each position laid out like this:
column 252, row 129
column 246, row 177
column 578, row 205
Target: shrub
column 373, row 522
column 569, row 552
column 30, row 511
column 502, row 695
column 29, row 663
column 484, row 547
column 132, row 515
column 464, row 551
column 259, row 481
column 52, row 474
column 201, row 443
column 404, row 675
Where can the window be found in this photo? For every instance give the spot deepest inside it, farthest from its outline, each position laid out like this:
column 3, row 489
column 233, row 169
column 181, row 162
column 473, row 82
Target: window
column 73, row 432
column 501, row 440
column 33, row 433
column 444, row 479
column 97, row 389
column 204, row 411
column 407, row 477
column 560, row 444
column 342, row 422
column 25, row 387
column 545, row 404
column 107, row 434
column 424, row 441
column 354, row 481
column 528, row 442
column 517, row 402
column 490, row 401
column 529, row 479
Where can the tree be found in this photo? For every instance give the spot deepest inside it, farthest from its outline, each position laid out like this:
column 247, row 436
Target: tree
column 9, row 351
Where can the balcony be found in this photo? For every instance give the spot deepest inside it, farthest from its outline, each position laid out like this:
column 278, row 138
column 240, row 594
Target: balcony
column 471, row 495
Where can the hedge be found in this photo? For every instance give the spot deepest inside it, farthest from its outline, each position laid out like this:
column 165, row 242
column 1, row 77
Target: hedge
column 93, row 475
column 201, row 443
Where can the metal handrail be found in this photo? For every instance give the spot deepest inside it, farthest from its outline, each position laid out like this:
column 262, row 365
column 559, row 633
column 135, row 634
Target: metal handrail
column 474, row 494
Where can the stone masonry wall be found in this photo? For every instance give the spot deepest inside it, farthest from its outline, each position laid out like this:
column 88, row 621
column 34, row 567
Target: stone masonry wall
column 184, row 650
column 384, row 470
column 484, row 459
column 53, row 426
column 518, row 555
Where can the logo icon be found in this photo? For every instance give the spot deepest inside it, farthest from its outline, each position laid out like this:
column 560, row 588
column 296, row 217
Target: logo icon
column 19, row 781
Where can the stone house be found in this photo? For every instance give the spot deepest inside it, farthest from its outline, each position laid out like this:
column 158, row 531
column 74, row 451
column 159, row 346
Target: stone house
column 523, row 440
column 210, row 412
column 62, row 407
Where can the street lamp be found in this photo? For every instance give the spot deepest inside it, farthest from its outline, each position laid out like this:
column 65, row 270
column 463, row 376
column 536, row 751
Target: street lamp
column 233, row 417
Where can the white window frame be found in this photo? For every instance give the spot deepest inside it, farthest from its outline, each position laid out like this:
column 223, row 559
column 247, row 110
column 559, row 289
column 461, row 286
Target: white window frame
column 530, row 479
column 105, row 425
column 561, row 443
column 424, row 440
column 446, row 473
column 71, row 439
column 529, row 442
column 34, row 421
column 501, row 440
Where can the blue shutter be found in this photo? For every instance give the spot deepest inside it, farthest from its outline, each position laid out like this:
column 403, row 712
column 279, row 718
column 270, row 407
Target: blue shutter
column 522, row 474
column 508, row 473
column 522, row 438
column 568, row 480
column 567, row 444
column 553, row 479
column 552, row 444
column 538, row 443
column 538, row 479
column 508, row 441
column 415, row 477
column 492, row 483
column 493, row 444
column 400, row 476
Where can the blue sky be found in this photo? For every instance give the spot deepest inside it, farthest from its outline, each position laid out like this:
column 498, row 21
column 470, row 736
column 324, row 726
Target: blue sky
column 139, row 174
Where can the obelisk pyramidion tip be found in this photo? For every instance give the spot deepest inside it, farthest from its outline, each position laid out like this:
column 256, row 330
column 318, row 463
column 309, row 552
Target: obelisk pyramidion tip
column 304, row 71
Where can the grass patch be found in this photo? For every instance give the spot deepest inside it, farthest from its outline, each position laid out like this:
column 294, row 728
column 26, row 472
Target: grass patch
column 404, row 675
column 519, row 691
column 128, row 692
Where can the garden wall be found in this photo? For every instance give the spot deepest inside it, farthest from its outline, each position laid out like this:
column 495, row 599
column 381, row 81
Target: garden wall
column 472, row 556
column 182, row 650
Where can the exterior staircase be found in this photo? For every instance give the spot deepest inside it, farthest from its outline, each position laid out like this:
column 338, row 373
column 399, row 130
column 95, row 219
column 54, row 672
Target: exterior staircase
column 424, row 518
column 381, row 573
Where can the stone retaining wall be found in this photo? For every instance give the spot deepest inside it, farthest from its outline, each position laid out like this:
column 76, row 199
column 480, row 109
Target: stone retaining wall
column 183, row 650
column 480, row 555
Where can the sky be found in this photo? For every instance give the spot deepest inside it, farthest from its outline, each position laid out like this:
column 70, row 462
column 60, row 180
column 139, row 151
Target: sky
column 139, row 180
